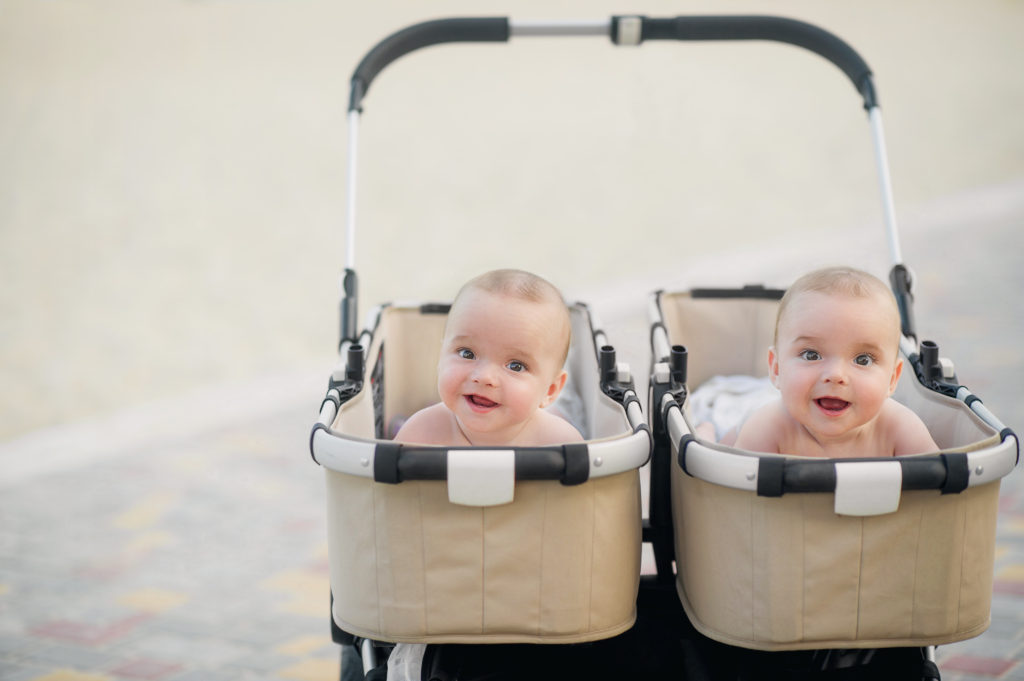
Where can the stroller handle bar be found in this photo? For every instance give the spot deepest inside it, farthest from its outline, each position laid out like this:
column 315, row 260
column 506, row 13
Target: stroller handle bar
column 622, row 30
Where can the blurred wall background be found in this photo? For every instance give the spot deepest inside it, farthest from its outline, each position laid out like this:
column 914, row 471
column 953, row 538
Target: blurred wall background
column 172, row 172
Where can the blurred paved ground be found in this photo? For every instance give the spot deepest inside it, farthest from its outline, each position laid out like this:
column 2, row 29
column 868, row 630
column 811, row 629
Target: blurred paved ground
column 197, row 553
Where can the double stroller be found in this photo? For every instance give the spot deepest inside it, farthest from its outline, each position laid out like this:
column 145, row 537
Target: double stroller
column 763, row 565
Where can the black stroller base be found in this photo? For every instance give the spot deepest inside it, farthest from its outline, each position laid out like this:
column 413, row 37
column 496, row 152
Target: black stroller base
column 662, row 645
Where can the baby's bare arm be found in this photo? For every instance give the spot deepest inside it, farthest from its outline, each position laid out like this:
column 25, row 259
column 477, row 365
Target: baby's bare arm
column 429, row 426
column 762, row 431
column 555, row 429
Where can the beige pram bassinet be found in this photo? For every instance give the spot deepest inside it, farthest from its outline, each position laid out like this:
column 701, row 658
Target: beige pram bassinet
column 430, row 545
column 785, row 553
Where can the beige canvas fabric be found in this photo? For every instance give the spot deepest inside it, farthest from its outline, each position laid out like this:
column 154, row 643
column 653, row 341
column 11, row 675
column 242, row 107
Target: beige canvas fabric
column 557, row 565
column 788, row 573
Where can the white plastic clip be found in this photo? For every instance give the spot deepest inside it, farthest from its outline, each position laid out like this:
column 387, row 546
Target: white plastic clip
column 479, row 477
column 661, row 372
column 630, row 29
column 868, row 487
column 622, row 373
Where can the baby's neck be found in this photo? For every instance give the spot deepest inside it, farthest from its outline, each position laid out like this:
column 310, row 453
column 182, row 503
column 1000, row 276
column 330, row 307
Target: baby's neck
column 509, row 437
column 862, row 442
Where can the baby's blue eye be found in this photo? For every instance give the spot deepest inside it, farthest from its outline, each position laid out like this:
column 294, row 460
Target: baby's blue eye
column 516, row 365
column 810, row 355
column 465, row 353
column 864, row 360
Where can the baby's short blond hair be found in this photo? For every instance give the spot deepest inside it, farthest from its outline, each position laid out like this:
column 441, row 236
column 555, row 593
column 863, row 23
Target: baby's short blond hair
column 524, row 286
column 846, row 281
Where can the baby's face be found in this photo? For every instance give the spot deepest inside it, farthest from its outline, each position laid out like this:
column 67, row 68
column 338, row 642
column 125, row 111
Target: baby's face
column 835, row 361
column 500, row 362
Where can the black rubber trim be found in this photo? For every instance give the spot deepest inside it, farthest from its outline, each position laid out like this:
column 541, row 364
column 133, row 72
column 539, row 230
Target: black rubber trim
column 684, row 442
column 945, row 472
column 958, row 473
column 630, row 399
column 900, row 281
column 1007, row 432
column 644, row 428
column 312, row 434
column 664, row 410
column 435, row 308
column 417, row 36
column 771, row 474
column 971, row 399
column 805, row 476
column 756, row 292
column 654, row 327
column 332, row 399
column 755, row 27
column 423, row 463
column 348, row 312
column 385, row 462
column 577, row 464
column 540, row 463
column 925, row 472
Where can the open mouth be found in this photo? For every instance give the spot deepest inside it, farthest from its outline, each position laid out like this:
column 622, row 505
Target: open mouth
column 480, row 403
column 832, row 405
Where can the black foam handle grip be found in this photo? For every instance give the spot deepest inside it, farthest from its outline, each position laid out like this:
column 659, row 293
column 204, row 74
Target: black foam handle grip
column 438, row 31
column 755, row 27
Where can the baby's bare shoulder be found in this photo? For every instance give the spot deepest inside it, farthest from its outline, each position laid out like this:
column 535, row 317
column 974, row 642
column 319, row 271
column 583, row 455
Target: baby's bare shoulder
column 429, row 426
column 764, row 429
column 905, row 429
column 553, row 429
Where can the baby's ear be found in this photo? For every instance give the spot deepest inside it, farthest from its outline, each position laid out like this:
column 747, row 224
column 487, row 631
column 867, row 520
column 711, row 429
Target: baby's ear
column 555, row 388
column 773, row 366
column 896, row 372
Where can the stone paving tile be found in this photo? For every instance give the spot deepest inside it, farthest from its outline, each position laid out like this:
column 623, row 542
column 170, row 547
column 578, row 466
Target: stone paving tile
column 162, row 566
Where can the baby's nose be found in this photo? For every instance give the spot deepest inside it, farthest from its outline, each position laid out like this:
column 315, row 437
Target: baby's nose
column 484, row 373
column 835, row 372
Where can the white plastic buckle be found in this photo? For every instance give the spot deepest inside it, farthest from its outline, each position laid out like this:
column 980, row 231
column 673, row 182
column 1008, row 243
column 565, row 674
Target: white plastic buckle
column 481, row 477
column 868, row 487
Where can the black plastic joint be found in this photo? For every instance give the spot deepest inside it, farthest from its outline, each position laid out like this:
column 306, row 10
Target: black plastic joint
column 385, row 462
column 899, row 279
column 664, row 412
column 654, row 327
column 770, row 476
column 1008, row 432
column 577, row 464
column 957, row 473
column 684, row 442
column 312, row 435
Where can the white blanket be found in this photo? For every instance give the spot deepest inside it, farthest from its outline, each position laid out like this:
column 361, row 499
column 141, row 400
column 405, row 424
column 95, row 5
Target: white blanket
column 727, row 401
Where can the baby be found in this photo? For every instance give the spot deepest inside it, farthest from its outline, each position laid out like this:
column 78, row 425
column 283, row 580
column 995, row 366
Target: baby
column 835, row 361
column 505, row 344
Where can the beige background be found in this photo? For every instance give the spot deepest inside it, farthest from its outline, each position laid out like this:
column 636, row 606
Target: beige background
column 172, row 177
